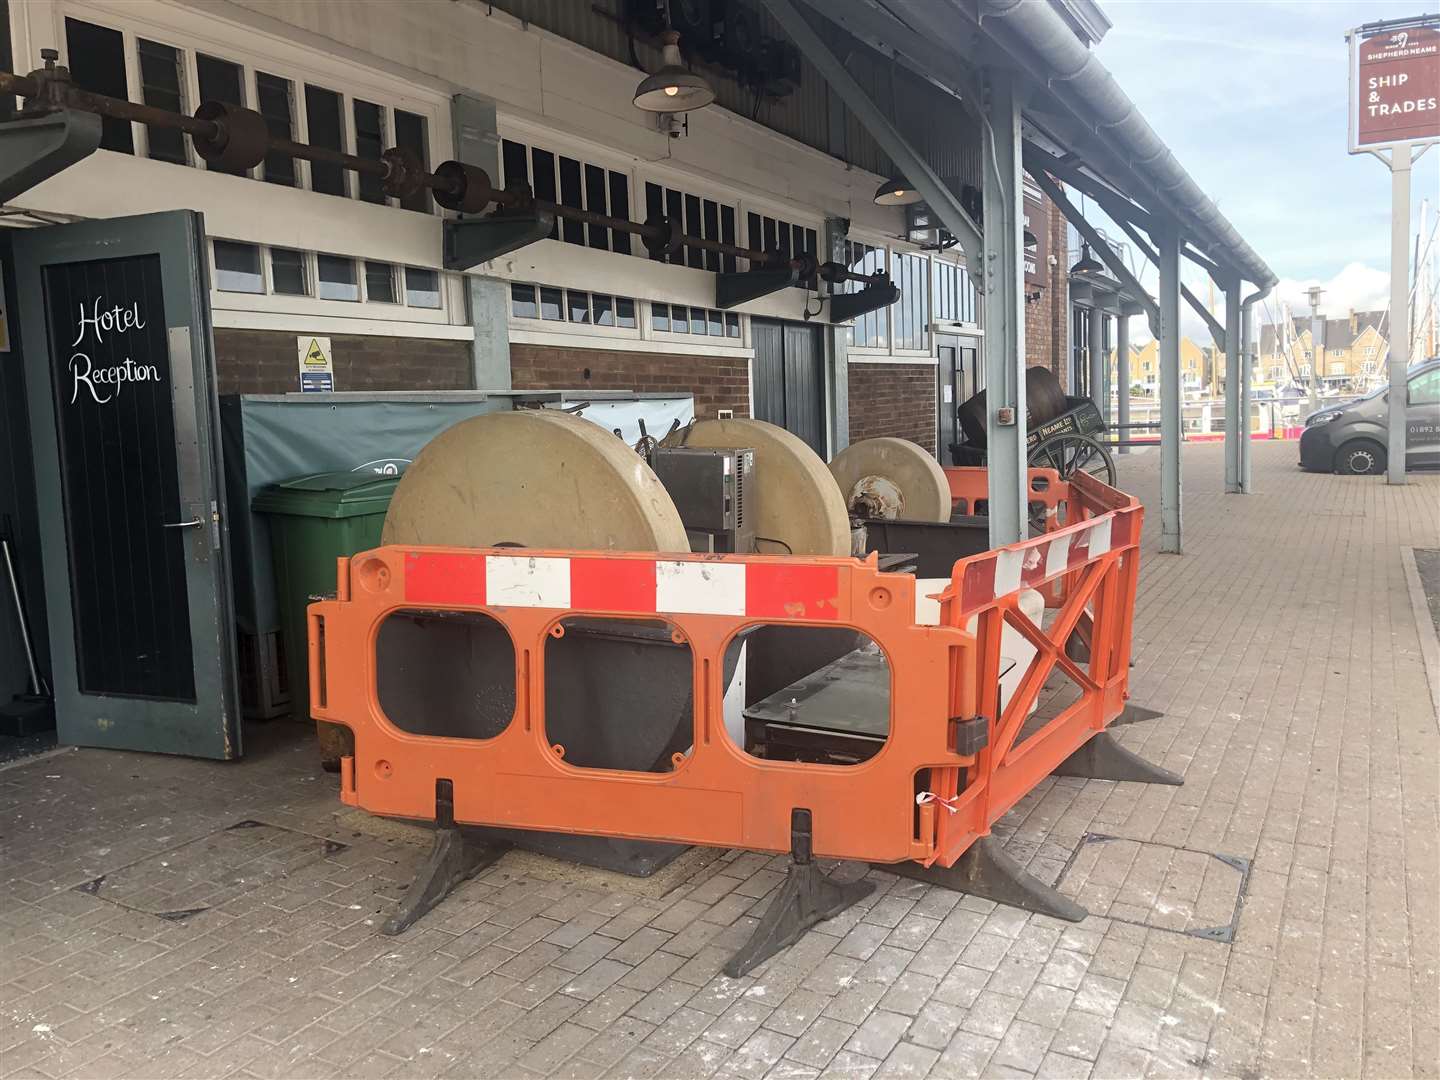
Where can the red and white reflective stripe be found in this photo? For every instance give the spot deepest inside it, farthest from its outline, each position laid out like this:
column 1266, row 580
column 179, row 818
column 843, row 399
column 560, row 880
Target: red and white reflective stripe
column 1032, row 563
column 638, row 586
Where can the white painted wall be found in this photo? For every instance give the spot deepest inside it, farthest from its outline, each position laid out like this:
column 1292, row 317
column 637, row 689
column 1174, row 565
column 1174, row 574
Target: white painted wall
column 415, row 55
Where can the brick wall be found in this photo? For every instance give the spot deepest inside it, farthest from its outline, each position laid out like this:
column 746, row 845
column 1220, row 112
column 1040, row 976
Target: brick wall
column 893, row 399
column 717, row 382
column 1047, row 319
column 265, row 362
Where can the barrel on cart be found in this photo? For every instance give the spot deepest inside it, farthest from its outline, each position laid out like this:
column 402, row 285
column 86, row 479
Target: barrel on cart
column 1063, row 432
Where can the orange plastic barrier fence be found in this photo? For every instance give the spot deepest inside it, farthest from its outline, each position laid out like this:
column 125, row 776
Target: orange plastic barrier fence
column 944, row 686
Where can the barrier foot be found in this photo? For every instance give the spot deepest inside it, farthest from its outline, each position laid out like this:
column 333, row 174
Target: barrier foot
column 1134, row 714
column 806, row 897
column 454, row 857
column 1103, row 758
column 986, row 871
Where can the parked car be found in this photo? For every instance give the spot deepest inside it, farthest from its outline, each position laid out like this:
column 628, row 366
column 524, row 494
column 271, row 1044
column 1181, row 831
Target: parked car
column 1353, row 438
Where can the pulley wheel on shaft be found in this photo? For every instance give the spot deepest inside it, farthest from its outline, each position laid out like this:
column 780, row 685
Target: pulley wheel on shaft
column 889, row 478
column 536, row 479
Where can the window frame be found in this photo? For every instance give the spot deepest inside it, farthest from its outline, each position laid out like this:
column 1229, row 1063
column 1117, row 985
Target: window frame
column 192, row 32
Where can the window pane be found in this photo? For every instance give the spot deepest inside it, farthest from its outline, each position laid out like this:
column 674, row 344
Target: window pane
column 697, row 320
column 595, row 201
column 422, row 287
column 413, row 134
column 337, row 278
column 220, row 80
column 96, row 57
column 369, row 144
column 674, row 209
column 572, row 231
column 160, row 84
column 679, row 319
column 625, row 312
column 274, row 96
column 287, row 272
column 237, row 267
column 715, row 324
column 694, row 226
column 578, row 309
column 380, row 282
column 542, row 168
column 322, row 111
column 660, row 316
column 620, row 207
column 604, row 312
column 522, row 302
column 515, row 160
column 712, row 232
column 550, row 304
column 732, row 324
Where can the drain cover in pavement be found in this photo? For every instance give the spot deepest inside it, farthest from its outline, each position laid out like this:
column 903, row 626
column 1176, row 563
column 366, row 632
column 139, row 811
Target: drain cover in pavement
column 205, row 873
column 1156, row 885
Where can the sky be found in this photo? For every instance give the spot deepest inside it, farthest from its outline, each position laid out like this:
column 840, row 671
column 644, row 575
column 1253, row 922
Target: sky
column 1251, row 97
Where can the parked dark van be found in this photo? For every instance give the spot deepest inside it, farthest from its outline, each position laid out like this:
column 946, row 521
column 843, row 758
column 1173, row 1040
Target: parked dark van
column 1353, row 438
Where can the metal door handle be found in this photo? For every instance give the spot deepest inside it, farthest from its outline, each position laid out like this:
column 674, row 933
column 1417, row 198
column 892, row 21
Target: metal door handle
column 196, row 523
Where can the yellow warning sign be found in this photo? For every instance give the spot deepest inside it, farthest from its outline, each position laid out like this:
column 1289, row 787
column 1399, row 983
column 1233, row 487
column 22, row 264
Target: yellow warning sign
column 317, row 365
column 315, row 356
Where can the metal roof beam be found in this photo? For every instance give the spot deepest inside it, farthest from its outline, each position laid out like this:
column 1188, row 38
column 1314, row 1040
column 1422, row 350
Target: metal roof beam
column 1107, row 253
column 1037, row 158
column 871, row 23
column 915, row 168
column 1216, row 330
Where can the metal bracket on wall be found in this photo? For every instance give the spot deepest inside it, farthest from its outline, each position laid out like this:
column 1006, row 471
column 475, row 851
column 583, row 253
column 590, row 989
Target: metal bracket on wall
column 35, row 148
column 847, row 306
column 472, row 241
column 737, row 288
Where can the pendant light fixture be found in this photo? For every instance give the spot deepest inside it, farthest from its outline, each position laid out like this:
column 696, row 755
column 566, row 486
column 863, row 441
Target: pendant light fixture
column 674, row 88
column 896, row 192
column 1087, row 263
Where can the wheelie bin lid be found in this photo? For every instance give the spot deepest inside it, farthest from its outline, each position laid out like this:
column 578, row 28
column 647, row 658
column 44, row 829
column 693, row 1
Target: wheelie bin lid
column 328, row 495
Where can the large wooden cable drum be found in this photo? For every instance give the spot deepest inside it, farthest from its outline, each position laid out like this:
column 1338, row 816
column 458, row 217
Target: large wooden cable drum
column 792, row 500
column 892, row 478
column 538, row 479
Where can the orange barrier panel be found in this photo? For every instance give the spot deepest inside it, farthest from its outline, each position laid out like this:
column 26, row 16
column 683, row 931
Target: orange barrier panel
column 944, row 686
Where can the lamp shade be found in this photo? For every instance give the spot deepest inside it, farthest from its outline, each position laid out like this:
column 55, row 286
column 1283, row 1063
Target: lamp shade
column 674, row 88
column 1087, row 263
column 896, row 192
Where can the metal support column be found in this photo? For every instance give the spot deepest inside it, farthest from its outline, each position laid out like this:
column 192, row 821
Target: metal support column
column 1247, row 335
column 1234, row 363
column 1122, row 377
column 1004, row 308
column 1095, row 348
column 1399, row 309
column 477, row 142
column 837, row 345
column 1168, row 298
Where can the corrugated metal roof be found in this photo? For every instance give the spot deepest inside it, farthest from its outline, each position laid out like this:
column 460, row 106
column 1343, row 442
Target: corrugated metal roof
column 812, row 114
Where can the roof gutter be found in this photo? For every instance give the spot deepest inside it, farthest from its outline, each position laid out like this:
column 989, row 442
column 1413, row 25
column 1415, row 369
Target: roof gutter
column 1094, row 96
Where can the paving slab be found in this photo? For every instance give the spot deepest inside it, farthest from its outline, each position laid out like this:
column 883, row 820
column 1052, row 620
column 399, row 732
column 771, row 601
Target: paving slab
column 1282, row 648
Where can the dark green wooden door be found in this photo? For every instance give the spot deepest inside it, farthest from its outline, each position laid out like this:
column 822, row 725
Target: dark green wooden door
column 119, row 376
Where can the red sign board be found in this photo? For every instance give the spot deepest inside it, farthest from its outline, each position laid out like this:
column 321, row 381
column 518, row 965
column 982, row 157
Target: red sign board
column 1394, row 87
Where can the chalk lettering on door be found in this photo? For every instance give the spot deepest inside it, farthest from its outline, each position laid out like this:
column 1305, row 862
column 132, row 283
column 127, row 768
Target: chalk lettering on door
column 105, row 383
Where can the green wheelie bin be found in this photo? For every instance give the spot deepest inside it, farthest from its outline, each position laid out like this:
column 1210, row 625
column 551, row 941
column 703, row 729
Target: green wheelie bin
column 313, row 521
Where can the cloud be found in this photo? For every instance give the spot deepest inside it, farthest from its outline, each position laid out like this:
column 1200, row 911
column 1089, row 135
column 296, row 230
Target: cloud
column 1356, row 287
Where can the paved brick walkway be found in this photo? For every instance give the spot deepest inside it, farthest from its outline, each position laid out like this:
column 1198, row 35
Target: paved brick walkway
column 1282, row 648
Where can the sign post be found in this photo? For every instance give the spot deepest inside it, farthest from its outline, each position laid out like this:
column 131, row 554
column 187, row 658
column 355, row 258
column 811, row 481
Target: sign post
column 1395, row 106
